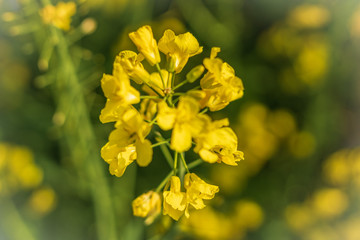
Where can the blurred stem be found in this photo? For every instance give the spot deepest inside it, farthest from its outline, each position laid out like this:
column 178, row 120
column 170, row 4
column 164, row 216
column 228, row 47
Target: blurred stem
column 80, row 136
column 195, row 163
column 165, row 150
column 161, row 76
column 180, row 84
column 162, row 184
column 13, row 223
column 105, row 220
column 184, row 162
column 204, row 110
column 160, row 143
column 175, row 162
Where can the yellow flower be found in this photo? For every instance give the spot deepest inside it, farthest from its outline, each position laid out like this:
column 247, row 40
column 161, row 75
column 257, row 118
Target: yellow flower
column 147, row 205
column 174, row 200
column 179, row 48
column 148, row 109
column 119, row 92
column 118, row 157
column 127, row 143
column 196, row 191
column 59, row 15
column 217, row 143
column 131, row 62
column 184, row 120
column 157, row 84
column 220, row 83
column 146, row 44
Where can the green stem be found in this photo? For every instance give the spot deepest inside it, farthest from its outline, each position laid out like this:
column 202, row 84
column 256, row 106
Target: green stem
column 180, row 84
column 150, row 97
column 81, row 138
column 153, row 120
column 175, row 162
column 179, row 94
column 166, row 179
column 173, row 80
column 204, row 111
column 159, row 70
column 169, row 79
column 184, row 163
column 195, row 163
column 165, row 150
column 160, row 143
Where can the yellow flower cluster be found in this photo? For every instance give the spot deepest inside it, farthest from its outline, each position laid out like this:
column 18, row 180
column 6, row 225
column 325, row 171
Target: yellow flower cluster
column 17, row 169
column 164, row 107
column 333, row 206
column 59, row 15
column 20, row 173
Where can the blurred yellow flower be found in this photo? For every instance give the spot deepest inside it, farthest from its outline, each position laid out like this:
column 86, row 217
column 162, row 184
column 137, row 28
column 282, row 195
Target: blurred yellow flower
column 299, row 217
column 42, row 201
column 147, row 205
column 328, row 203
column 311, row 64
column 59, row 15
column 248, row 215
column 350, row 228
column 17, row 169
column 209, row 225
column 354, row 24
column 302, row 144
column 337, row 168
column 308, row 16
column 146, row 44
column 178, row 48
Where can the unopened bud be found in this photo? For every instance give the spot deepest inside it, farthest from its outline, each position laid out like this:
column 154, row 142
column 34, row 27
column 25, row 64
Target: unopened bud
column 195, row 73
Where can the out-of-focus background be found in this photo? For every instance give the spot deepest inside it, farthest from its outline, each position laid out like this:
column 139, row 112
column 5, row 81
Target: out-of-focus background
column 298, row 122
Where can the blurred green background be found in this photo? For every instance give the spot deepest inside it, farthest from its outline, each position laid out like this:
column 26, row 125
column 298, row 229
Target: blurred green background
column 298, row 122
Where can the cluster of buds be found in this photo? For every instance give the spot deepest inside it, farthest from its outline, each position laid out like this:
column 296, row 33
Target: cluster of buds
column 162, row 108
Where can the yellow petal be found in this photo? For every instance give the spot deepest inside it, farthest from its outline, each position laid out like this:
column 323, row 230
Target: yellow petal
column 208, row 156
column 166, row 116
column 180, row 138
column 146, row 44
column 144, row 152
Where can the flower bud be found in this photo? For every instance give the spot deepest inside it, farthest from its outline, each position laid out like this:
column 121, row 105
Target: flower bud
column 195, row 73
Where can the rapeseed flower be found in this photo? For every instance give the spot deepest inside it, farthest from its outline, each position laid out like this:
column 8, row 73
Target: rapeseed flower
column 183, row 120
column 146, row 44
column 162, row 103
column 131, row 63
column 174, row 199
column 218, row 143
column 197, row 190
column 179, row 48
column 120, row 94
column 147, row 205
